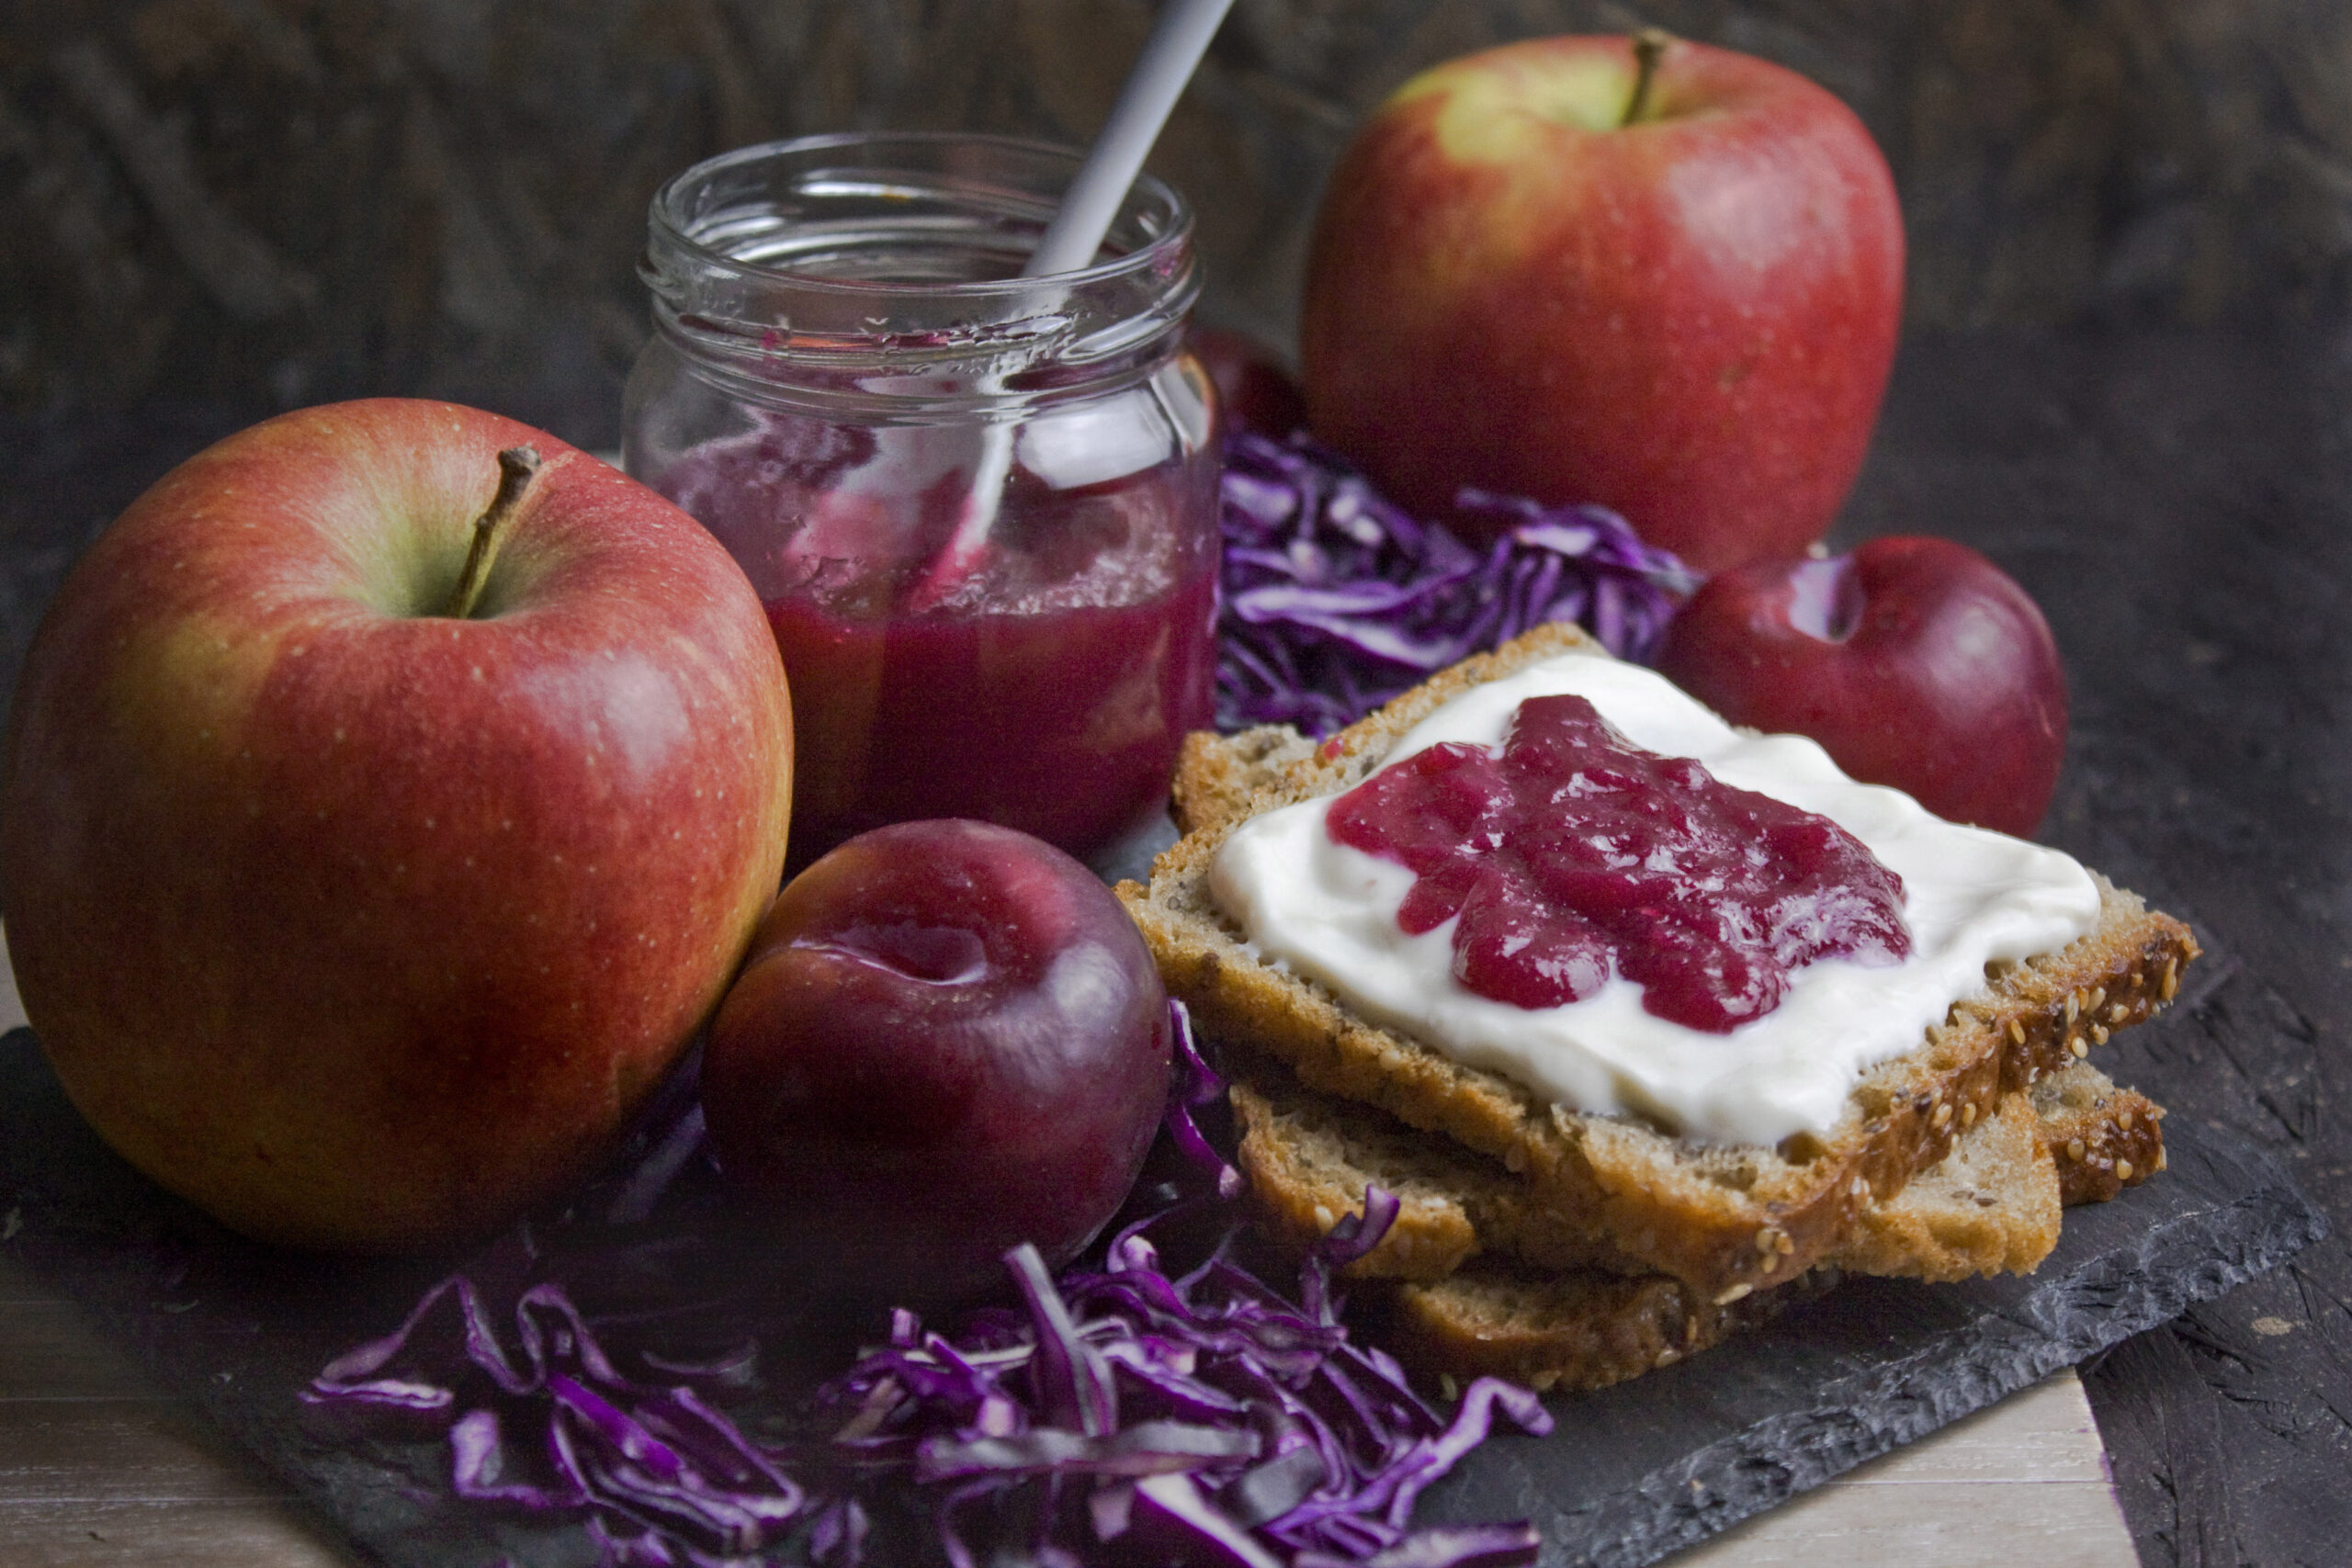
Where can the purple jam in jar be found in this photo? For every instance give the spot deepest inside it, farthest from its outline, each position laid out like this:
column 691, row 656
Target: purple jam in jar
column 1573, row 851
column 1049, row 692
column 980, row 509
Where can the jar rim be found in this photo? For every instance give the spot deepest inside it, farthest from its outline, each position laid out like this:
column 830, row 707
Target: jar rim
column 670, row 224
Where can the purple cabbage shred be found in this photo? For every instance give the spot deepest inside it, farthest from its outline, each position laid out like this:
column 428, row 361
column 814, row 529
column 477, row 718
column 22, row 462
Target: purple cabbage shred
column 1197, row 1084
column 1202, row 1416
column 1336, row 600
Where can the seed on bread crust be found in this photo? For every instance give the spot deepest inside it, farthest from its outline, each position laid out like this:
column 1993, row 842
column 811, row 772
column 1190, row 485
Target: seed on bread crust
column 2119, row 1132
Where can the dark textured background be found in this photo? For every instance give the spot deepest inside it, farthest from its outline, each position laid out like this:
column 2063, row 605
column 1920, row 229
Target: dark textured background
column 274, row 201
column 2127, row 381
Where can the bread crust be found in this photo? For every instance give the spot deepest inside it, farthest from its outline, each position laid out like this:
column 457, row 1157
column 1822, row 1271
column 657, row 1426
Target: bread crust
column 1562, row 1330
column 1726, row 1220
column 1991, row 1206
column 1449, row 1309
column 2103, row 1137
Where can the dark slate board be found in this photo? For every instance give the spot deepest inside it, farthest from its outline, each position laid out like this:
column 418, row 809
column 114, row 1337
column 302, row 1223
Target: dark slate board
column 1630, row 1473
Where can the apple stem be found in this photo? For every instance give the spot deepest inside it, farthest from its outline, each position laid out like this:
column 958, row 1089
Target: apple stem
column 1648, row 45
column 517, row 466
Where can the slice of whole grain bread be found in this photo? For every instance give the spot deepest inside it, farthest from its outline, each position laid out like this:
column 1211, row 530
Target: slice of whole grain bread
column 2104, row 1137
column 1991, row 1206
column 1722, row 1219
column 1560, row 1330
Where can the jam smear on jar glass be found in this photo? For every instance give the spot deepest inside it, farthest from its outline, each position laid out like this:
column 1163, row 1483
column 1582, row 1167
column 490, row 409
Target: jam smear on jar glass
column 1574, row 851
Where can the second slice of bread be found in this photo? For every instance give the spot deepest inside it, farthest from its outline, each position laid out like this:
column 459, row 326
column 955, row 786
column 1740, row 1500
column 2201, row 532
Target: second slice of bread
column 1991, row 1206
column 1723, row 1220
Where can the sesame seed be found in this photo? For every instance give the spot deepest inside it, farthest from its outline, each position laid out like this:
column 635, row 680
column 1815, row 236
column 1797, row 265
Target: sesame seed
column 1968, row 1114
column 2017, row 1032
column 1324, row 1218
column 1771, row 1261
column 1943, row 1115
column 1785, row 1245
column 2171, row 978
column 2073, row 1006
column 2124, row 1170
column 2162, row 1159
column 1725, row 1297
column 1668, row 1356
column 2074, row 1148
column 2098, row 1034
column 2118, row 1013
column 1764, row 1239
column 2098, row 995
column 2077, row 1047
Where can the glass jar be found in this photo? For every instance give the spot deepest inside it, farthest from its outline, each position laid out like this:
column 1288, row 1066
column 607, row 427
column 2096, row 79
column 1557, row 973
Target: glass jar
column 980, row 509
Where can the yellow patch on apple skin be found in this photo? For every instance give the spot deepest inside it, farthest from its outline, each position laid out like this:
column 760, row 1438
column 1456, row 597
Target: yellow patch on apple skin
column 1498, row 112
column 177, row 691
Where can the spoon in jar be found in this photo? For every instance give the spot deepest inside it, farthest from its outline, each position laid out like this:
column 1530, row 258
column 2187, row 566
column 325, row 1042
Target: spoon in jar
column 1080, row 225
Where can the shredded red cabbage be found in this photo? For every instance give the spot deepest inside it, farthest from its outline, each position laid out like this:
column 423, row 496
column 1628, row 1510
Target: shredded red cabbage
column 1336, row 600
column 1197, row 1084
column 1200, row 1417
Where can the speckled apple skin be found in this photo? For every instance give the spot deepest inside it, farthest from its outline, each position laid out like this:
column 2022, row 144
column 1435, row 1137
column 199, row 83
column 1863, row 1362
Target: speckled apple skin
column 1690, row 320
column 364, row 927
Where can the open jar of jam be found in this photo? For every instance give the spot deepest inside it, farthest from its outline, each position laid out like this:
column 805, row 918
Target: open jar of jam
column 980, row 509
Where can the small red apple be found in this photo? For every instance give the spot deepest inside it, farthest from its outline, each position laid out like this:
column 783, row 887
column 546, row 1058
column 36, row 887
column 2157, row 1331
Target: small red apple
column 1535, row 275
column 949, row 1039
column 361, row 917
column 1916, row 663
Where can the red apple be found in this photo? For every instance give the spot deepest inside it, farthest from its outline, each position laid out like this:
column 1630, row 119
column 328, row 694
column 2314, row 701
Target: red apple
column 360, row 923
column 1915, row 661
column 1688, row 317
column 949, row 1039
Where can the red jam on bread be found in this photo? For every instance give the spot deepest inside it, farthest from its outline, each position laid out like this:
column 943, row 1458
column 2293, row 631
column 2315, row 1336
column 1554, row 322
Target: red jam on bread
column 1570, row 847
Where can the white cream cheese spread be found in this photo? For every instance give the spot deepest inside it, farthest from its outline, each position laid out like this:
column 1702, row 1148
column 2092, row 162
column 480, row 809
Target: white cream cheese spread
column 1970, row 898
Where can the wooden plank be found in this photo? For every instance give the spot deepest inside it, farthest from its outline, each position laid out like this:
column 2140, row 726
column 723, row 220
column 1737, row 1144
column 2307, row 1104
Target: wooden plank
column 2024, row 1479
column 48, row 1351
column 100, row 1468
column 185, row 1534
column 61, row 1452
